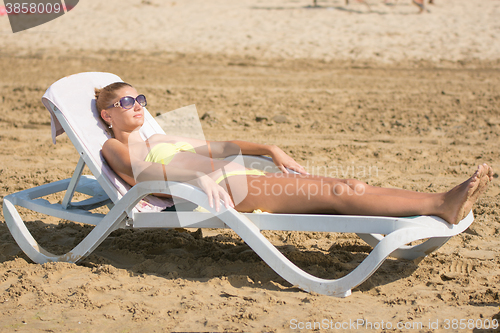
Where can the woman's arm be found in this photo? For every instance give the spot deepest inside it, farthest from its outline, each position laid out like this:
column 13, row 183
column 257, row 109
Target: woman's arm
column 126, row 162
column 280, row 158
column 118, row 158
column 222, row 149
column 134, row 170
column 251, row 148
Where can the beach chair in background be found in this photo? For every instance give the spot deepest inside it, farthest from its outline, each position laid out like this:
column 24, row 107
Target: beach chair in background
column 71, row 104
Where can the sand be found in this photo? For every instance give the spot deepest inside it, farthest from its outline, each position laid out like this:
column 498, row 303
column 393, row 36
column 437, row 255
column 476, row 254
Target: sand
column 390, row 97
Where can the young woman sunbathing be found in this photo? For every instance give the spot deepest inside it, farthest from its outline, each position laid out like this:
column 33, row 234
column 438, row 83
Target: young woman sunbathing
column 165, row 157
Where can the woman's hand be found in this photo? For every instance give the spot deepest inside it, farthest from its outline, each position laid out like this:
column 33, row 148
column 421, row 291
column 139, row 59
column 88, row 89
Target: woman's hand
column 214, row 191
column 283, row 161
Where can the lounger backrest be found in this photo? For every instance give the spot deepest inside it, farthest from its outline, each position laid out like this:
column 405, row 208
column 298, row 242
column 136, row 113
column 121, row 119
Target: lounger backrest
column 74, row 97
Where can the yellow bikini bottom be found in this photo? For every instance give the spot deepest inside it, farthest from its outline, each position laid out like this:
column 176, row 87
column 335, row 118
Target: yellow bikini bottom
column 164, row 153
column 250, row 172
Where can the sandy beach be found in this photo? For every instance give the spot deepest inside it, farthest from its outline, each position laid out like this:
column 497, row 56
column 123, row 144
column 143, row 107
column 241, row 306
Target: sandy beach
column 379, row 93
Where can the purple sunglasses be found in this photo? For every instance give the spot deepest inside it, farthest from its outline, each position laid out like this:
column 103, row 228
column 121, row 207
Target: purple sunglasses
column 128, row 102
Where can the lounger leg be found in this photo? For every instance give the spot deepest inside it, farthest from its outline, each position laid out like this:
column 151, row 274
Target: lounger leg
column 39, row 255
column 73, row 183
column 408, row 252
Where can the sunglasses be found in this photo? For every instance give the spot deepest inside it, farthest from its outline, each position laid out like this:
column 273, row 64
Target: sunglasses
column 128, row 102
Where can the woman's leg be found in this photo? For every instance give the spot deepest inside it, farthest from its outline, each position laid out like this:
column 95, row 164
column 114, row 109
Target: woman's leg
column 302, row 194
column 360, row 186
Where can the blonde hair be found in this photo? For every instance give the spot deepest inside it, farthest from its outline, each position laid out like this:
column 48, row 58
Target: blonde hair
column 104, row 98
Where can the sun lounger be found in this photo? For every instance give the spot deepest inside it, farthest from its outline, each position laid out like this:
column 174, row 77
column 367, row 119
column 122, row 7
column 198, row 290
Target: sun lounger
column 72, row 107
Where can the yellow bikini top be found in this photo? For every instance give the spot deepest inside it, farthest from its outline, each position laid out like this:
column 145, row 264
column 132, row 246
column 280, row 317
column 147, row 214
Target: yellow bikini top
column 164, row 152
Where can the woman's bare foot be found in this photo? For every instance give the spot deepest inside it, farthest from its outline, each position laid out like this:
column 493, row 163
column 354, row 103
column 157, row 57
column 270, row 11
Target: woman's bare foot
column 458, row 201
column 467, row 206
column 490, row 172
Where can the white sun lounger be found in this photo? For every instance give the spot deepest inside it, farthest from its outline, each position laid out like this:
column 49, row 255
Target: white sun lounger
column 72, row 107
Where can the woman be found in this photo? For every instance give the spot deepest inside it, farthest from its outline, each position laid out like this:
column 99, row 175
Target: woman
column 189, row 160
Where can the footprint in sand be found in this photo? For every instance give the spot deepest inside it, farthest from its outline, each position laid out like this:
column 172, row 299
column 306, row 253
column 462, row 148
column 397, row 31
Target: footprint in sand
column 458, row 268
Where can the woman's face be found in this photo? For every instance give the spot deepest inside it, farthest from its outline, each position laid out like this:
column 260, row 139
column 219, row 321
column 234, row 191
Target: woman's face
column 122, row 119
